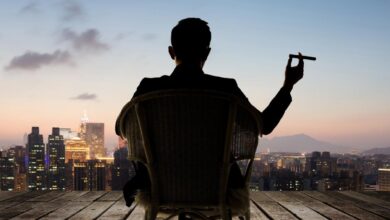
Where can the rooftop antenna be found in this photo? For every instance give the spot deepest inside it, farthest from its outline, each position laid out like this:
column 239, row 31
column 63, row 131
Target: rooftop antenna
column 84, row 119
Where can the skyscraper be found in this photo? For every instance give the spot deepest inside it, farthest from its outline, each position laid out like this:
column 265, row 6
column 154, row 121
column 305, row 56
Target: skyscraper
column 36, row 161
column 56, row 161
column 90, row 175
column 76, row 149
column 19, row 155
column 7, row 173
column 93, row 134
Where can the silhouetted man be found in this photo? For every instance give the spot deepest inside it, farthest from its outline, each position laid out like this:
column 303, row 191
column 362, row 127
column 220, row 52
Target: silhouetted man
column 190, row 40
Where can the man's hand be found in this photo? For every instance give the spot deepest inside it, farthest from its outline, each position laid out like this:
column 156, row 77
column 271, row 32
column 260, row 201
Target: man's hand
column 293, row 74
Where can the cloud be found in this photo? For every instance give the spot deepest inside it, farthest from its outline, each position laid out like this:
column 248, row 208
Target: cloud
column 34, row 60
column 85, row 96
column 72, row 10
column 31, row 7
column 149, row 36
column 87, row 41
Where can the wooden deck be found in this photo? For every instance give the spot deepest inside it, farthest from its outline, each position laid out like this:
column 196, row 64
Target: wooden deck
column 264, row 205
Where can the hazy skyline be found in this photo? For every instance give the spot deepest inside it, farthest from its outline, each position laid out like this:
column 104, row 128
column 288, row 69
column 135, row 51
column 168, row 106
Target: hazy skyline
column 59, row 58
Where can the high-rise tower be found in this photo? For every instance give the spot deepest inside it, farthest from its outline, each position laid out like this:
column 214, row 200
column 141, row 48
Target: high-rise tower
column 56, row 161
column 36, row 161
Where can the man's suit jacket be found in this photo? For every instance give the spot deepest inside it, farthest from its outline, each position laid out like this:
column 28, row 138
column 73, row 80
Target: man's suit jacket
column 184, row 77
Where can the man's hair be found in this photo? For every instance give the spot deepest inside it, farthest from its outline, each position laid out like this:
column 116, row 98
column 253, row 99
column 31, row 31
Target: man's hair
column 190, row 38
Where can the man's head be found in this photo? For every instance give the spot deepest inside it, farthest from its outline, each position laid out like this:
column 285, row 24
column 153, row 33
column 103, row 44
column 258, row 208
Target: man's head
column 190, row 40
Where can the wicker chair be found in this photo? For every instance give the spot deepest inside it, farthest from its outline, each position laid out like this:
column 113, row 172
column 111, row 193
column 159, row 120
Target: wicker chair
column 188, row 140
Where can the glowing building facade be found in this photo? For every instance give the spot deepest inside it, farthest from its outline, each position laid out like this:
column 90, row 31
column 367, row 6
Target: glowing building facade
column 76, row 149
column 93, row 134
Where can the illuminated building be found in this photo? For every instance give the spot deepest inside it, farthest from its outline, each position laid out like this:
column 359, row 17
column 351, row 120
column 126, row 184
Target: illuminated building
column 20, row 182
column 384, row 179
column 7, row 173
column 90, row 175
column 36, row 161
column 93, row 134
column 19, row 153
column 76, row 149
column 56, row 161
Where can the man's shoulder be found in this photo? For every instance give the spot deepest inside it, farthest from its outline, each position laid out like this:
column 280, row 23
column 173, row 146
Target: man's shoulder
column 220, row 79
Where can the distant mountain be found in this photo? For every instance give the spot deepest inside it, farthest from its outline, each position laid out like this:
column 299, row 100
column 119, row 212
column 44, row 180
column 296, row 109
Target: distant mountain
column 384, row 150
column 300, row 143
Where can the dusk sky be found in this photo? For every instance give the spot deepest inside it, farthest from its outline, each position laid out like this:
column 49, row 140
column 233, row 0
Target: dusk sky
column 59, row 58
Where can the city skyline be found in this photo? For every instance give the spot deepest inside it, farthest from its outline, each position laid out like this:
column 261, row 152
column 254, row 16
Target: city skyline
column 60, row 58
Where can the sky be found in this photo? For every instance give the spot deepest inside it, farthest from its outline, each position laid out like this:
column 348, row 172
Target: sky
column 60, row 58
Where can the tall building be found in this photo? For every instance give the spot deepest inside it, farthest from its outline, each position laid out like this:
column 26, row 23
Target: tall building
column 76, row 149
column 384, row 179
column 7, row 173
column 93, row 134
column 36, row 161
column 56, row 161
column 19, row 155
column 90, row 175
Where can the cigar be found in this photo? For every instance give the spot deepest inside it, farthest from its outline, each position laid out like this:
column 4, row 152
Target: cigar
column 303, row 57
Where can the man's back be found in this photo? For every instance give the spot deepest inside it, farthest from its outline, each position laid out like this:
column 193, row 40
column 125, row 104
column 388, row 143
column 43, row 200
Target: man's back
column 184, row 77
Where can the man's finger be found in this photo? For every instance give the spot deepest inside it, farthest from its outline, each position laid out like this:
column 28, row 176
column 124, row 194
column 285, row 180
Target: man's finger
column 289, row 62
column 300, row 63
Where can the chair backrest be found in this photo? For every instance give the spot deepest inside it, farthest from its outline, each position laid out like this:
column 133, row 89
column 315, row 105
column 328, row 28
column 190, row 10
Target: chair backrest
column 187, row 139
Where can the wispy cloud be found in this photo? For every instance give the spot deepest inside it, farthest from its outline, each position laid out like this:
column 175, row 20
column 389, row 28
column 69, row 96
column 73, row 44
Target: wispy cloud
column 31, row 7
column 85, row 96
column 87, row 41
column 33, row 60
column 72, row 10
column 149, row 36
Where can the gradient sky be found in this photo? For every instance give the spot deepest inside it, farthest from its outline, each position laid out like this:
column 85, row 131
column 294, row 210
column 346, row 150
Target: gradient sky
column 59, row 58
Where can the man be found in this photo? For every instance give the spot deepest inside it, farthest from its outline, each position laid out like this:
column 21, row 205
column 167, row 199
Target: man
column 190, row 48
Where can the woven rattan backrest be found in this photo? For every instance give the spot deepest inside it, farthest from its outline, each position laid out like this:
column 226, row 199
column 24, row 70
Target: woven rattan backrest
column 185, row 136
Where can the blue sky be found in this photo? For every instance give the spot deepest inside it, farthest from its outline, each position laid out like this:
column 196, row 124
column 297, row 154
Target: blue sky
column 59, row 58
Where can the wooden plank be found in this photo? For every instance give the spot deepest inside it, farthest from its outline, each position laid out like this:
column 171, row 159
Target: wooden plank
column 318, row 206
column 367, row 198
column 381, row 211
column 5, row 204
column 137, row 214
column 270, row 207
column 4, row 195
column 378, row 194
column 260, row 197
column 19, row 209
column 66, row 211
column 39, row 211
column 294, row 206
column 342, row 205
column 92, row 211
column 256, row 213
column 26, row 196
column 118, row 211
column 112, row 196
column 90, row 196
column 70, row 196
column 47, row 196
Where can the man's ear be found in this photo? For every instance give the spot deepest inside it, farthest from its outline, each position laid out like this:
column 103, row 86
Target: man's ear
column 171, row 52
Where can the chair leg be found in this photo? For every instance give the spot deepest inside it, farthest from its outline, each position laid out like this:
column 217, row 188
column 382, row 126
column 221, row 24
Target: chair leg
column 151, row 213
column 227, row 214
